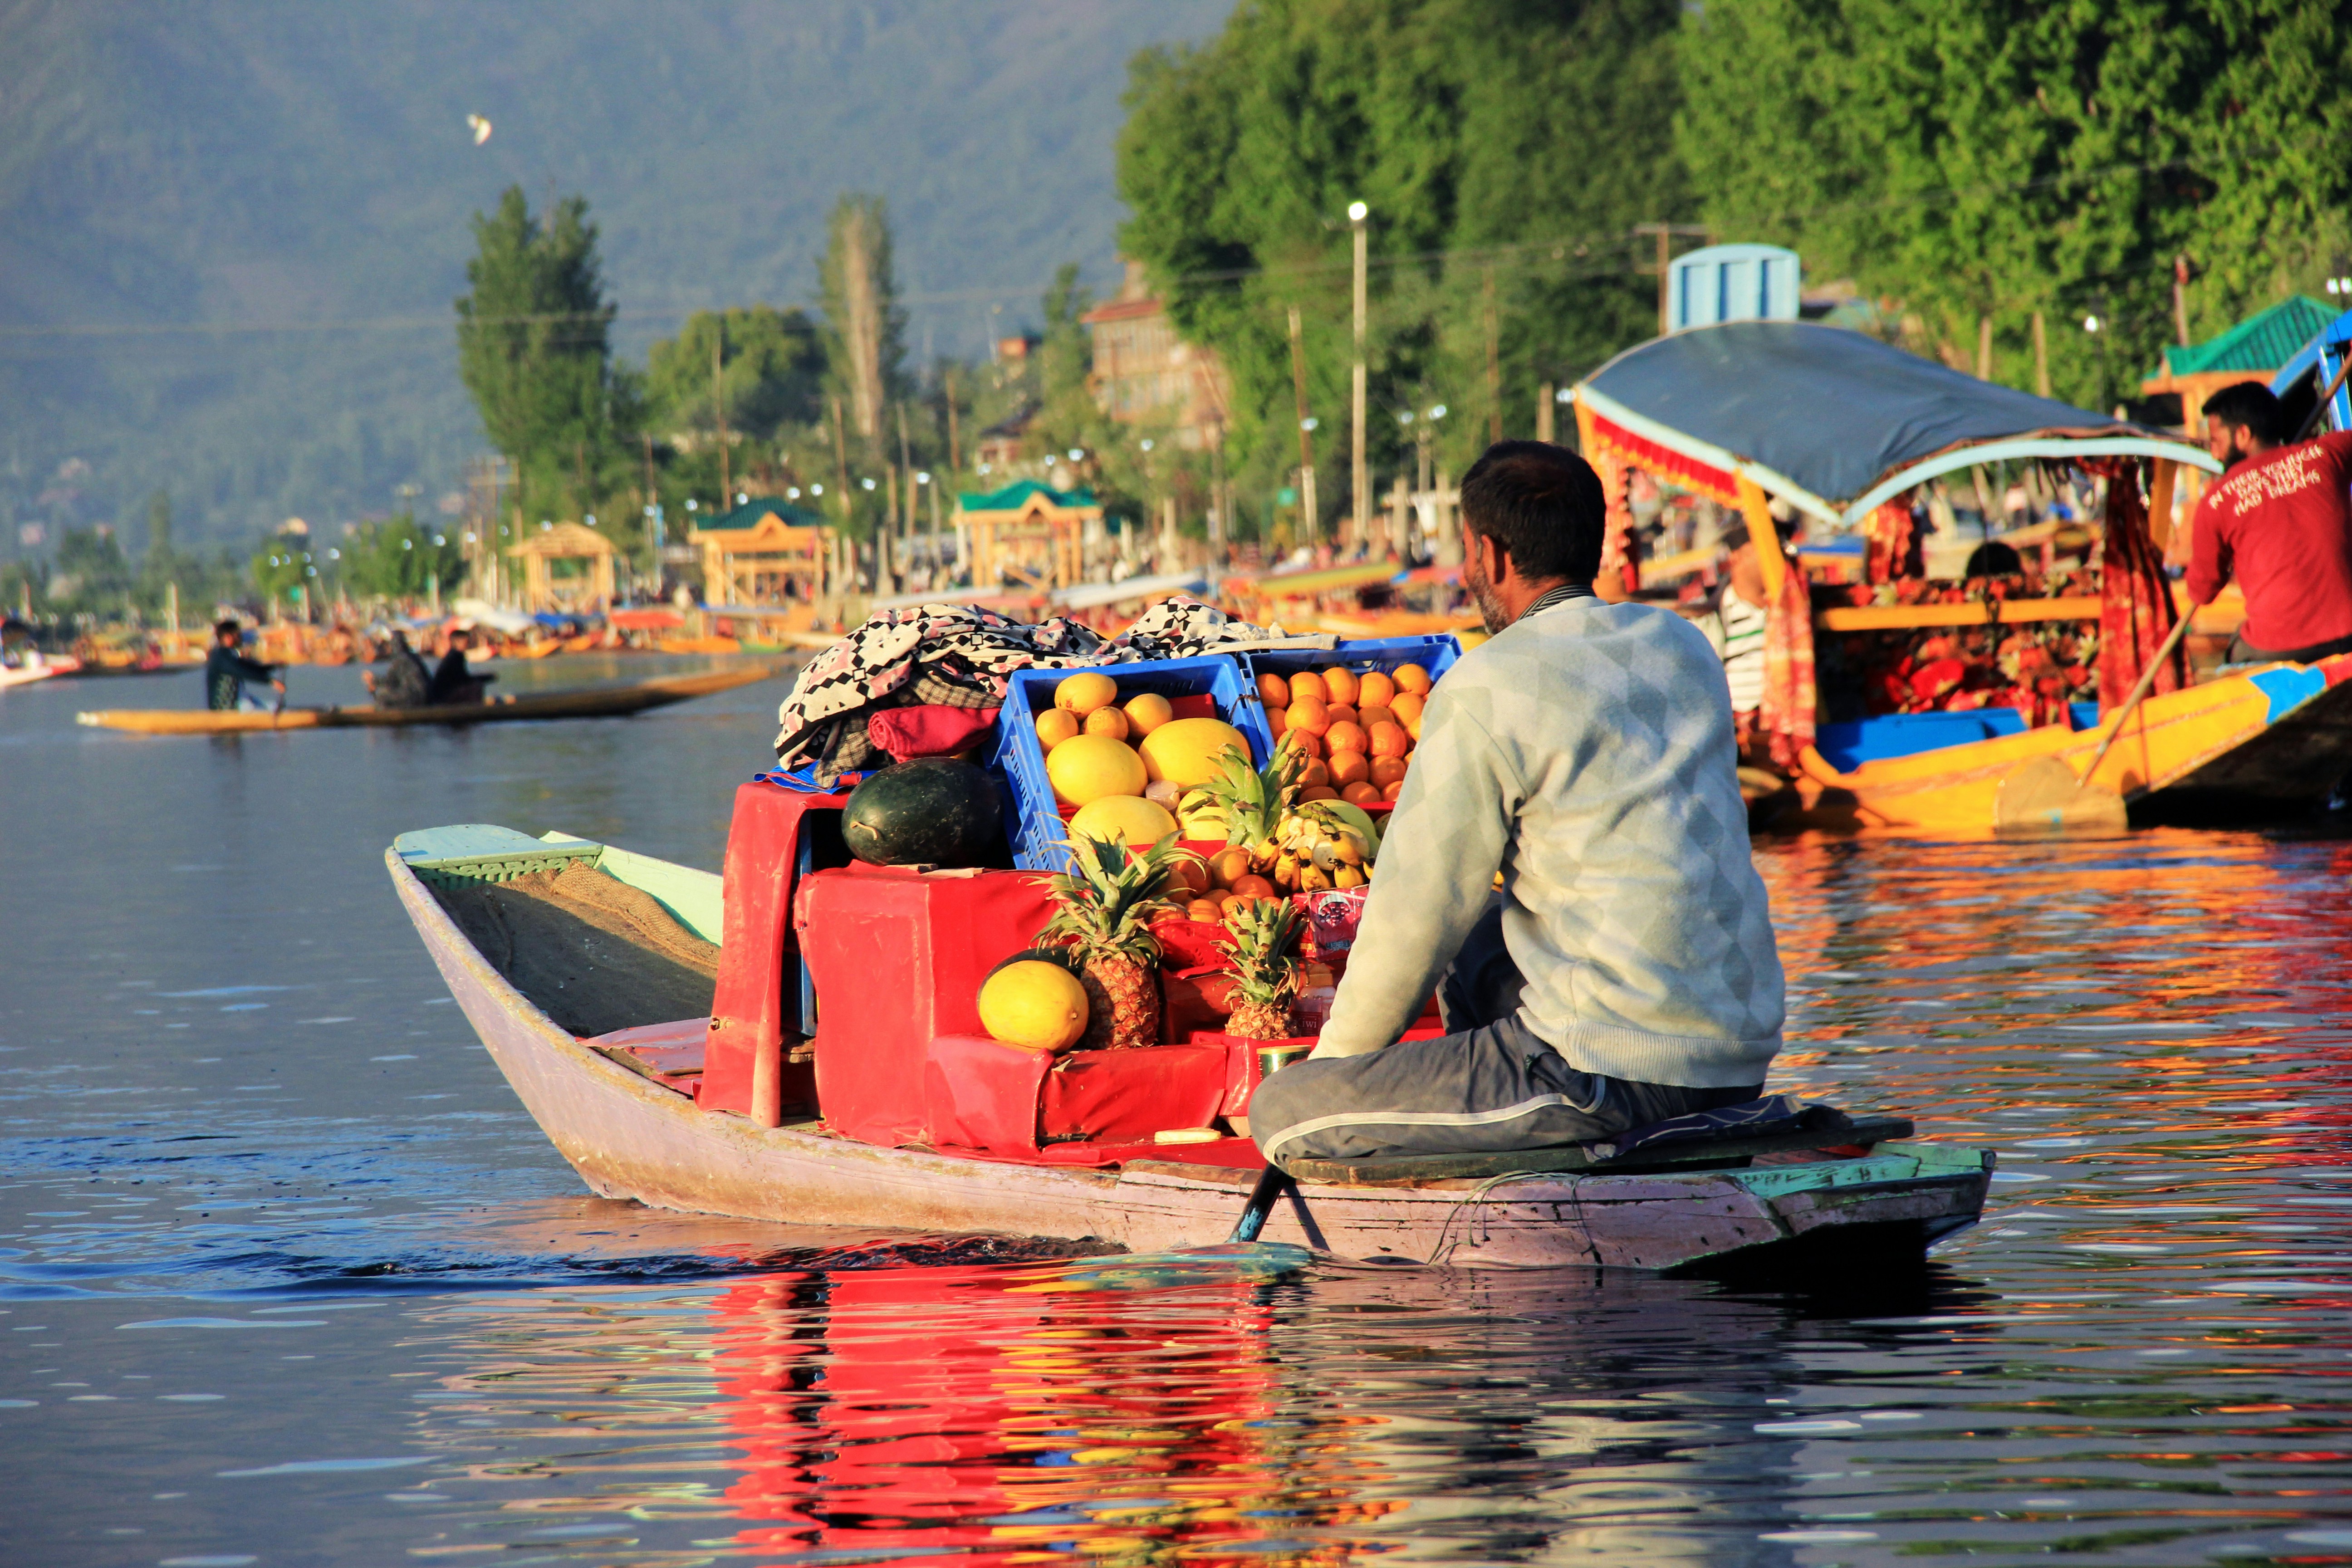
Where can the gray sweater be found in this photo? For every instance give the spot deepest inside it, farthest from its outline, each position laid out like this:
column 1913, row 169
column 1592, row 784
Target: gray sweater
column 1587, row 752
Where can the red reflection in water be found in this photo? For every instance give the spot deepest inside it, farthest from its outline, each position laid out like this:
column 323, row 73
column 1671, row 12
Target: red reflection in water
column 936, row 1412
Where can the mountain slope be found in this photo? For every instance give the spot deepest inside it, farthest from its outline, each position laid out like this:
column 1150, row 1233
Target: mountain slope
column 298, row 180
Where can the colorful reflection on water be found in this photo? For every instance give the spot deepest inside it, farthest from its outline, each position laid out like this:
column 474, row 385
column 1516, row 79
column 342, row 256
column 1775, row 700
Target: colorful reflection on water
column 2140, row 1358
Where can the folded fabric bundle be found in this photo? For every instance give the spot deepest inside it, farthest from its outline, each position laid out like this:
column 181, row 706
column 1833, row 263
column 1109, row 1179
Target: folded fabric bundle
column 958, row 655
column 927, row 730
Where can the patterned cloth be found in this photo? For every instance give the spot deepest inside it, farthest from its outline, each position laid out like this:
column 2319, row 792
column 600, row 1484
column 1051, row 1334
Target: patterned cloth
column 959, row 656
column 1786, row 716
column 2135, row 609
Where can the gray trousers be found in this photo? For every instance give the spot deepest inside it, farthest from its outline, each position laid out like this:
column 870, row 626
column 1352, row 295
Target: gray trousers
column 1487, row 1087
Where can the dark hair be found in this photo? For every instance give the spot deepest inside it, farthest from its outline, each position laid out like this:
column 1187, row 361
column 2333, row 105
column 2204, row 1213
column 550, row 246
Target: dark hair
column 1543, row 504
column 2250, row 403
column 227, row 629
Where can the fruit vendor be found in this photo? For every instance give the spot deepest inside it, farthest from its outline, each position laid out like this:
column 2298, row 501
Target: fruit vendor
column 2278, row 522
column 1626, row 971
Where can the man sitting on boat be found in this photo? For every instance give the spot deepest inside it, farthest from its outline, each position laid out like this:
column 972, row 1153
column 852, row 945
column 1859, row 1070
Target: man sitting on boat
column 453, row 681
column 2278, row 522
column 405, row 682
column 1626, row 971
column 1734, row 623
column 227, row 671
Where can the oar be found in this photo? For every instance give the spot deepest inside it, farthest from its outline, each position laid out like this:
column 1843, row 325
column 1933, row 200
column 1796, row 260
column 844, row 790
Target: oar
column 2319, row 409
column 2045, row 793
column 1272, row 1183
column 1242, row 1257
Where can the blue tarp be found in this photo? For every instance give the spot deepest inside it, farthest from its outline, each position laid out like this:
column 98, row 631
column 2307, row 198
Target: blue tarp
column 1832, row 411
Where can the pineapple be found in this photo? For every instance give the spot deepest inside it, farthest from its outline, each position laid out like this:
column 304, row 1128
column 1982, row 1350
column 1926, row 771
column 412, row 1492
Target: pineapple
column 1110, row 899
column 1263, row 948
column 1249, row 802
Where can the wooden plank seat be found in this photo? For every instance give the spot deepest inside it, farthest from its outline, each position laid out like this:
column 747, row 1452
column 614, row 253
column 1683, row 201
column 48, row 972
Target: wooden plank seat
column 1689, row 1154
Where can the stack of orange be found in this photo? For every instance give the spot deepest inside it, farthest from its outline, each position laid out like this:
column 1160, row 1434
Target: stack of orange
column 1359, row 729
column 1230, row 881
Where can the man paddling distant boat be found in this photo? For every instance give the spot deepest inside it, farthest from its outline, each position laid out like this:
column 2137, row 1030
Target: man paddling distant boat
column 2278, row 522
column 1627, row 970
column 226, row 670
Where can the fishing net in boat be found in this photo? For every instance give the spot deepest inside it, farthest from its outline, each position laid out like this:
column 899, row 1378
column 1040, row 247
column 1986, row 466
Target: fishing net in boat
column 593, row 952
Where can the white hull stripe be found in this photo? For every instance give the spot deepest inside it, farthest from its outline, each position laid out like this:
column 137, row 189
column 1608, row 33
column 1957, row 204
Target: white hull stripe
column 1432, row 1118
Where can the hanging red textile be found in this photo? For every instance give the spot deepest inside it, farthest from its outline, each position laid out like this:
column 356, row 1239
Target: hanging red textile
column 1887, row 537
column 1618, row 557
column 1785, row 716
column 2136, row 607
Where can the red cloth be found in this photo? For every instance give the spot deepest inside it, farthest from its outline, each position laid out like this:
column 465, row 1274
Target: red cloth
column 1618, row 556
column 2280, row 522
column 928, row 730
column 1888, row 538
column 1786, row 715
column 2135, row 610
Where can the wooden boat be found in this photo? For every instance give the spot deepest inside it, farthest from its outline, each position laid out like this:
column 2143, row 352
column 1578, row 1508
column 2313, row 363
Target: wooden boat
column 621, row 1108
column 12, row 676
column 1734, row 412
column 596, row 702
column 2262, row 743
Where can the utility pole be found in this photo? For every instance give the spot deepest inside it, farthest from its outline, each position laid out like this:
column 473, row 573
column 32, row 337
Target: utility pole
column 1666, row 232
column 1359, row 476
column 718, row 392
column 2041, row 358
column 1494, row 361
column 1307, row 507
column 955, row 447
column 1545, row 403
column 841, row 477
column 1984, row 348
column 2180, row 300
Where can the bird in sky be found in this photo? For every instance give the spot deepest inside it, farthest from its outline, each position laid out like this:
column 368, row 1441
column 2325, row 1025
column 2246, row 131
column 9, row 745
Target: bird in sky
column 481, row 128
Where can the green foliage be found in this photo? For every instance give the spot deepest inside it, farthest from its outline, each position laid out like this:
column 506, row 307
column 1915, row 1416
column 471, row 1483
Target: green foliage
column 92, row 574
column 1997, row 157
column 772, row 372
column 1523, row 137
column 400, row 559
column 533, row 350
column 282, row 564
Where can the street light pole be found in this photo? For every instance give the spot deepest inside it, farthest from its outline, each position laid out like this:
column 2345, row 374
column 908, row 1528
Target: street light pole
column 1360, row 475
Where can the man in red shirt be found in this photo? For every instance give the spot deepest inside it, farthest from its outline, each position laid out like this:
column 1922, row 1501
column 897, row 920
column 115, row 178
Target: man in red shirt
column 2280, row 521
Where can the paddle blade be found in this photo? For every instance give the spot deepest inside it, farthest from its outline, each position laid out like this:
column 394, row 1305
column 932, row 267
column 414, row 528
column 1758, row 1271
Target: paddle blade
column 1251, row 1263
column 2045, row 794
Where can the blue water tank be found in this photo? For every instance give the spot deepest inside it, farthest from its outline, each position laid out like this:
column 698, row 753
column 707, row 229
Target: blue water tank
column 1733, row 283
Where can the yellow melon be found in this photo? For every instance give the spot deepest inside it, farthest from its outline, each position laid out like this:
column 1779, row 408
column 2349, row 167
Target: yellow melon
column 1186, row 750
column 1087, row 767
column 1084, row 692
column 1034, row 1006
column 1148, row 712
column 1138, row 824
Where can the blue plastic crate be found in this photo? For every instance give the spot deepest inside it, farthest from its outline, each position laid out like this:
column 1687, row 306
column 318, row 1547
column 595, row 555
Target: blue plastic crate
column 1036, row 828
column 1435, row 653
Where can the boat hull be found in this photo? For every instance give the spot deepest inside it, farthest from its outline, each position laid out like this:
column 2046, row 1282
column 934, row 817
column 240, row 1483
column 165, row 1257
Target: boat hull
column 609, row 702
column 2247, row 747
column 630, row 1137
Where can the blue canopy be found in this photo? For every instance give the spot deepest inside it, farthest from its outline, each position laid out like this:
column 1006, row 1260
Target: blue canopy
column 1836, row 422
column 2316, row 363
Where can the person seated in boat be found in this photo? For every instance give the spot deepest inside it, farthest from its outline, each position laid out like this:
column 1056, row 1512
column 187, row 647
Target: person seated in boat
column 227, row 671
column 453, row 682
column 405, row 682
column 1734, row 623
column 1626, row 971
column 2278, row 521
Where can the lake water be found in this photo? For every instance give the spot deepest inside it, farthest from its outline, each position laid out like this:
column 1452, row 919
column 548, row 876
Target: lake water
column 288, row 1278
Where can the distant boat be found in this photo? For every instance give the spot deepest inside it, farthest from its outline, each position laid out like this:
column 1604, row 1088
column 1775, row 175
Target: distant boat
column 597, row 702
column 48, row 667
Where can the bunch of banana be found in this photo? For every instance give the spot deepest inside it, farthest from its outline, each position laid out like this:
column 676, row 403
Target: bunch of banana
column 1323, row 844
column 1241, row 804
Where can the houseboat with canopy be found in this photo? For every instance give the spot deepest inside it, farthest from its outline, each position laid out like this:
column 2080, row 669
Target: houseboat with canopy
column 1894, row 700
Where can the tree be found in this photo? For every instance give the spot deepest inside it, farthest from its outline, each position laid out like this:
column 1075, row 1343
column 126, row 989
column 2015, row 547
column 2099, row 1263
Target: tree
column 865, row 328
column 399, row 559
column 1507, row 134
column 533, row 349
column 92, row 574
column 773, row 372
column 1983, row 160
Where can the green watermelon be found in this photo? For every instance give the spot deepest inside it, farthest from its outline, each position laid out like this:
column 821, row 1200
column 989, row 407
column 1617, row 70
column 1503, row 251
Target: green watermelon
column 933, row 811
